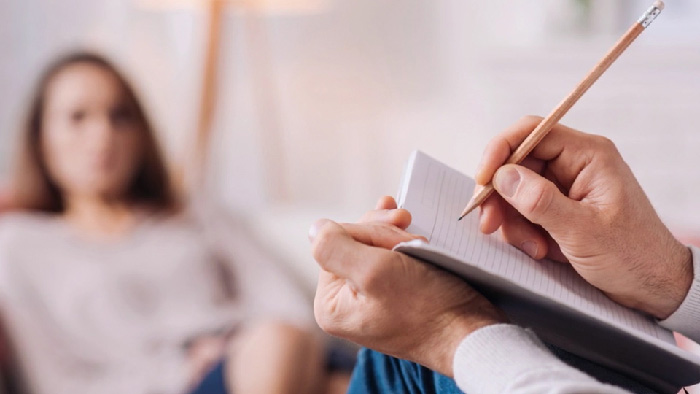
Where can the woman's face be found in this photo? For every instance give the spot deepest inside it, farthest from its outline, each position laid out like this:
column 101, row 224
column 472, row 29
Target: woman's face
column 91, row 138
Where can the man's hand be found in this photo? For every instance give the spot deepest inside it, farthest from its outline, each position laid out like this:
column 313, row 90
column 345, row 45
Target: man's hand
column 388, row 301
column 575, row 200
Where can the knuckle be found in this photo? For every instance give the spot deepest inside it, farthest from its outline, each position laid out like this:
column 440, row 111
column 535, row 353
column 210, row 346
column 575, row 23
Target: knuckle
column 539, row 200
column 608, row 150
column 530, row 119
column 322, row 246
column 379, row 226
column 494, row 145
column 373, row 216
column 366, row 217
column 605, row 144
column 403, row 217
column 498, row 150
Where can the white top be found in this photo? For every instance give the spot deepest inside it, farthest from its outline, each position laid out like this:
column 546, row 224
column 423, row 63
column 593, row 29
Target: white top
column 114, row 317
column 506, row 358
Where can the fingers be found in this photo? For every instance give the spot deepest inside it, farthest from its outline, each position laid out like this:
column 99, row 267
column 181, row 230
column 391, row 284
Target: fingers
column 400, row 218
column 386, row 202
column 381, row 235
column 536, row 198
column 493, row 210
column 499, row 149
column 554, row 251
column 522, row 234
column 351, row 250
column 531, row 239
column 569, row 149
column 496, row 153
column 337, row 252
column 517, row 231
column 492, row 214
column 386, row 212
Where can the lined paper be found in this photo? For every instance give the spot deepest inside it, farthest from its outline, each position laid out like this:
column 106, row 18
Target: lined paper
column 435, row 194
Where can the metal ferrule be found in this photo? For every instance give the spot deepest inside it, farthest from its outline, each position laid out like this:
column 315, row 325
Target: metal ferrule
column 649, row 16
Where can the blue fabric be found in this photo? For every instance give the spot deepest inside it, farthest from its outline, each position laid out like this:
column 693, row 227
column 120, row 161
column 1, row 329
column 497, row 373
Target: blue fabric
column 378, row 373
column 213, row 382
column 340, row 357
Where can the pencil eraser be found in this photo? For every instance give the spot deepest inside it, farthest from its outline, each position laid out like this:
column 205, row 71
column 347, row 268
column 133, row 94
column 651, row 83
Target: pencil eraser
column 659, row 4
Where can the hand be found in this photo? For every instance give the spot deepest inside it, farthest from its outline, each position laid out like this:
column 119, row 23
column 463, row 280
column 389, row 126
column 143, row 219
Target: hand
column 388, row 301
column 386, row 211
column 203, row 353
column 575, row 200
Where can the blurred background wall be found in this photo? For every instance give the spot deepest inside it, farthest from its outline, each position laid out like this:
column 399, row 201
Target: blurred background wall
column 345, row 90
column 319, row 104
column 319, row 107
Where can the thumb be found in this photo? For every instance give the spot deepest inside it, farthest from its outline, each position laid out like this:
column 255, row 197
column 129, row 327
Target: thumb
column 536, row 198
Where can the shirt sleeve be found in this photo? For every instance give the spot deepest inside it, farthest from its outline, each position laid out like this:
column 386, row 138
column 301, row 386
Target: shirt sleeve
column 686, row 319
column 505, row 358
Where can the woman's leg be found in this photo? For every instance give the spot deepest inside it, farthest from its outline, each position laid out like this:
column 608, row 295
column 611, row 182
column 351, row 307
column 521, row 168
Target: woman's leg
column 274, row 358
column 378, row 373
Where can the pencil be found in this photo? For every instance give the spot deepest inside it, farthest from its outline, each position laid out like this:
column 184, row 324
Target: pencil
column 555, row 116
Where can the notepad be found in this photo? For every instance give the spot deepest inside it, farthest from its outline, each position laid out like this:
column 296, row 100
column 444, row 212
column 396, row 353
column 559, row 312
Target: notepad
column 546, row 296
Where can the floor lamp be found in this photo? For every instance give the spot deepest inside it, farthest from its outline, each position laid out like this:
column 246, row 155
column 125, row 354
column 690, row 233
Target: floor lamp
column 255, row 9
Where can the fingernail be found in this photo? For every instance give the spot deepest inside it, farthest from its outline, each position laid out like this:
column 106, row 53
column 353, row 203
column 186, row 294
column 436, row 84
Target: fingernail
column 506, row 181
column 530, row 248
column 313, row 230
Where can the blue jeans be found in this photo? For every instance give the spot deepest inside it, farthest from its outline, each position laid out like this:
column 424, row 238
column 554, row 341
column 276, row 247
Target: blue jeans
column 213, row 382
column 377, row 373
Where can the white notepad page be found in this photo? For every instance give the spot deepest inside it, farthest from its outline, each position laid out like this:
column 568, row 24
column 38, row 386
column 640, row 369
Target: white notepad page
column 435, row 194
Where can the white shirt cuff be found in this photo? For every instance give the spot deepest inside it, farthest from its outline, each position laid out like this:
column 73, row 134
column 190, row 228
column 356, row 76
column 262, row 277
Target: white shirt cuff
column 686, row 319
column 493, row 358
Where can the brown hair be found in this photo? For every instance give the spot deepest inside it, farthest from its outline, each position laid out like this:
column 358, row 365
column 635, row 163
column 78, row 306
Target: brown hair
column 33, row 187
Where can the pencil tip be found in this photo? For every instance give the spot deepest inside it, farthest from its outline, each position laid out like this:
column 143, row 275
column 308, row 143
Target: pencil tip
column 459, row 218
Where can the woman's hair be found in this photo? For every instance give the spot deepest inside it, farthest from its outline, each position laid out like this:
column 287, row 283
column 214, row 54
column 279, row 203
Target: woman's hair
column 33, row 187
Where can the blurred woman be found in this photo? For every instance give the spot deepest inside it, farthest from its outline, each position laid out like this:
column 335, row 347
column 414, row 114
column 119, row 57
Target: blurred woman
column 110, row 285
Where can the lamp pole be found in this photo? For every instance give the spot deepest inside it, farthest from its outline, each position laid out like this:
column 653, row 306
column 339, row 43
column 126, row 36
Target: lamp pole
column 207, row 105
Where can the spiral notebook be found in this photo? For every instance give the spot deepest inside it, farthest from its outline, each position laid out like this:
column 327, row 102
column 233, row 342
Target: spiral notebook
column 546, row 296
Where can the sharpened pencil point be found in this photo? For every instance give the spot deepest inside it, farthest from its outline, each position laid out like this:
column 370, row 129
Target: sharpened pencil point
column 459, row 218
column 473, row 203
